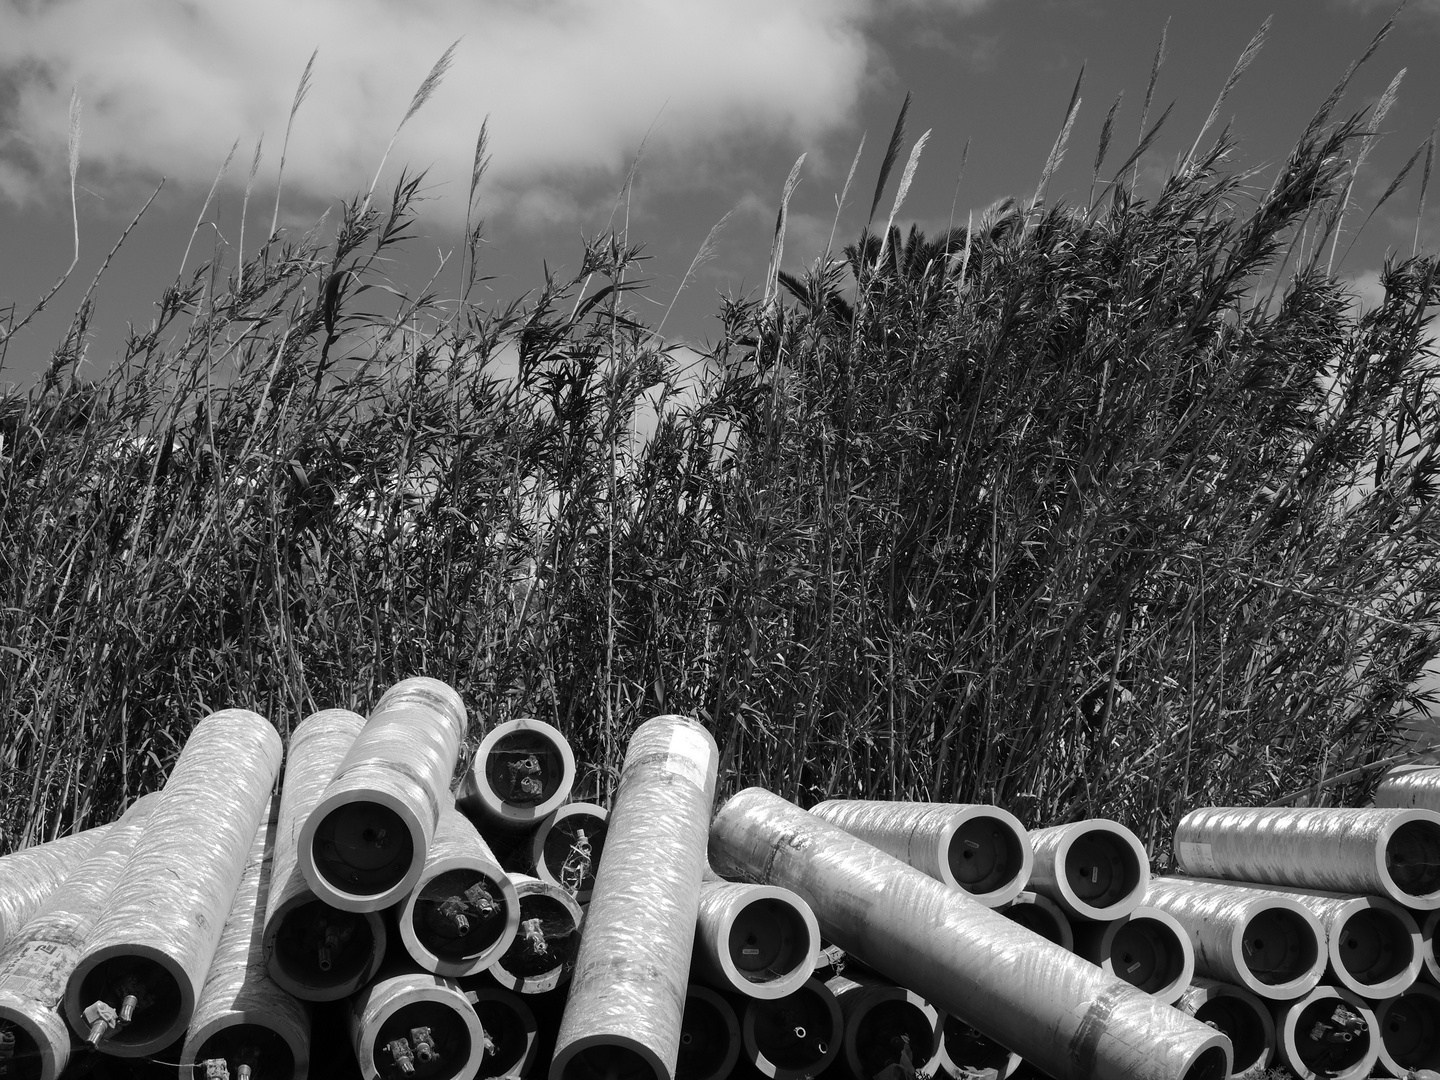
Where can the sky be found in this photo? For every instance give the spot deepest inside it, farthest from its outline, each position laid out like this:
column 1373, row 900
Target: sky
column 706, row 103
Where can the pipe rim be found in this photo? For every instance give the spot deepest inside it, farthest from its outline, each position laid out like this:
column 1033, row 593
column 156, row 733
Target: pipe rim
column 167, row 965
column 542, row 834
column 423, row 954
column 1151, row 923
column 1383, row 1021
column 1120, row 842
column 332, row 893
column 478, row 789
column 399, row 992
column 731, row 1022
column 42, row 1027
column 295, row 1039
column 1200, row 995
column 318, row 987
column 1420, row 829
column 1287, row 1027
column 953, row 1031
column 1048, row 910
column 1400, row 933
column 869, row 998
column 1308, row 974
column 521, row 1018
column 1016, row 838
column 832, row 1043
column 803, row 967
column 1428, row 957
column 552, row 977
column 571, row 1062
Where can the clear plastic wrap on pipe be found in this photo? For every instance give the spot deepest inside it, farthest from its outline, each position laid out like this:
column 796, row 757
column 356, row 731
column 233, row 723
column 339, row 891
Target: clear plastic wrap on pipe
column 981, row 849
column 134, row 988
column 1148, row 948
column 1384, row 851
column 567, row 847
column 35, row 964
column 794, row 1037
column 363, row 846
column 1094, row 869
column 1239, row 1014
column 1410, row 787
column 754, row 940
column 31, row 874
column 415, row 1023
column 242, row 1017
column 315, row 951
column 464, row 912
column 511, row 1032
column 521, row 772
column 542, row 954
column 1329, row 1034
column 1409, row 1026
column 1042, row 916
column 1062, row 1013
column 885, row 1025
column 627, row 996
column 709, row 1036
column 963, row 1052
column 1268, row 943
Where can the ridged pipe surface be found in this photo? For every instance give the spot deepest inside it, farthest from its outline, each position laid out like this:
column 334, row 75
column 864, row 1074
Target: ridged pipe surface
column 567, row 847
column 363, row 846
column 242, row 1016
column 393, row 1007
column 794, row 1037
column 1148, row 948
column 511, row 1033
column 31, row 874
column 1309, row 1035
column 34, row 965
column 315, row 951
column 963, row 1052
column 1388, row 852
column 521, row 772
column 1409, row 1025
column 981, row 849
column 463, row 912
column 1042, row 916
column 754, row 940
column 159, row 929
column 1066, row 1015
column 885, row 1025
column 1241, row 1015
column 627, row 995
column 1270, row 944
column 709, row 1036
column 544, row 950
column 1094, row 869
column 1410, row 787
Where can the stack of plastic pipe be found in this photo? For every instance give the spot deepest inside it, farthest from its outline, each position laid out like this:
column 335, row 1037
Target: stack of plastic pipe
column 1148, row 948
column 363, row 846
column 314, row 950
column 1042, row 916
column 415, row 1023
column 983, row 850
column 884, row 1025
column 541, row 954
column 134, row 988
column 754, row 940
column 1409, row 1026
column 1096, row 869
column 709, row 1036
column 566, row 848
column 795, row 1036
column 1329, row 1034
column 30, row 875
column 1070, row 1018
column 521, row 773
column 1241, row 1015
column 243, row 1018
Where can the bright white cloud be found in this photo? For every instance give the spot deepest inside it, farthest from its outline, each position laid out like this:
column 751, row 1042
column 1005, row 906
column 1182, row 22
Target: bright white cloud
column 570, row 86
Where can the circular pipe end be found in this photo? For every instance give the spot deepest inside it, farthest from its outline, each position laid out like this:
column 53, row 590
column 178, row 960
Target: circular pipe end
column 1278, row 951
column 1409, row 1026
column 607, row 1057
column 1043, row 916
column 709, row 1036
column 768, row 943
column 1428, row 957
column 1375, row 951
column 511, row 1028
column 1102, row 870
column 319, row 953
column 793, row 1037
column 393, row 1010
column 1150, row 950
column 462, row 917
column 42, row 1041
column 1238, row 1014
column 988, row 855
column 962, row 1048
column 1410, row 861
column 1328, row 1035
column 362, row 852
column 1211, row 1062
column 568, row 844
column 269, row 1046
column 166, row 997
column 881, row 1023
column 542, row 954
column 522, row 771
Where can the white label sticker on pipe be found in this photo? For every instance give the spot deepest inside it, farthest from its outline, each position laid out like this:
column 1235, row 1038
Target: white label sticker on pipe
column 688, row 755
column 1195, row 859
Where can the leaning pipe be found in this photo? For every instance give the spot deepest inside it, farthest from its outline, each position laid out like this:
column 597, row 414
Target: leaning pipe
column 541, row 954
column 794, row 1037
column 31, row 874
column 884, row 1025
column 415, row 1023
column 1241, row 1015
column 1148, row 948
column 1064, row 1014
column 627, row 995
column 709, row 1036
column 1095, row 869
column 566, row 848
column 1329, row 1034
column 1409, row 1025
column 1388, row 852
column 363, row 846
column 34, row 965
column 242, row 1017
column 144, row 962
column 754, row 940
column 1410, row 787
column 315, row 951
column 981, row 849
column 521, row 772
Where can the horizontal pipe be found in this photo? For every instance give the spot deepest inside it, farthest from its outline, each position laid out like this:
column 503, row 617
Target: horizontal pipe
column 1041, row 915
column 521, row 773
column 1241, row 1015
column 541, row 954
column 511, row 1033
column 1428, row 956
column 1329, row 1034
column 794, row 1037
column 884, row 1025
column 566, row 848
column 963, row 1052
column 754, row 940
column 1410, row 787
column 153, row 943
column 1148, row 948
column 362, row 847
column 1065, row 1015
column 315, row 951
column 1409, row 1026
column 464, row 912
column 1388, row 852
column 417, row 1019
column 1094, row 869
column 981, row 849
column 709, row 1036
column 31, row 874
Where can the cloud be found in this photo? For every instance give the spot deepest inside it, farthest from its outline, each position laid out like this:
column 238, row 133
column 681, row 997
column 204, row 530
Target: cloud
column 571, row 87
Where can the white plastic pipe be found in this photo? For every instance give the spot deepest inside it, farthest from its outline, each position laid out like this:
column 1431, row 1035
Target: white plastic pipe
column 885, row 1025
column 1329, row 1034
column 709, row 1036
column 541, row 955
column 1409, row 1026
column 521, row 772
column 511, row 1033
column 419, row 1019
column 963, row 1052
column 567, row 847
column 794, row 1037
column 1427, row 946
column 1410, row 787
column 31, row 874
column 1095, row 869
column 755, row 940
column 1241, row 1015
column 1041, row 915
column 1148, row 948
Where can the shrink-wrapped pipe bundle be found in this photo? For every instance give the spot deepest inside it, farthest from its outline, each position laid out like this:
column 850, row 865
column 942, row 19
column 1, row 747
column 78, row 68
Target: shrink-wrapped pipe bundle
column 1148, row 948
column 1268, row 943
column 1095, row 869
column 314, row 950
column 566, row 848
column 521, row 772
column 542, row 953
column 464, row 912
column 35, row 964
column 242, row 1017
column 1387, row 852
column 415, row 1023
column 709, row 1036
column 1329, row 1034
column 511, row 1033
column 627, row 995
column 1409, row 1026
column 363, row 846
column 1410, row 787
column 793, row 1037
column 1042, row 916
column 1239, row 1014
column 134, row 987
column 981, row 849
column 1064, row 1014
column 31, row 874
column 755, row 940
column 884, row 1025
column 964, row 1052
